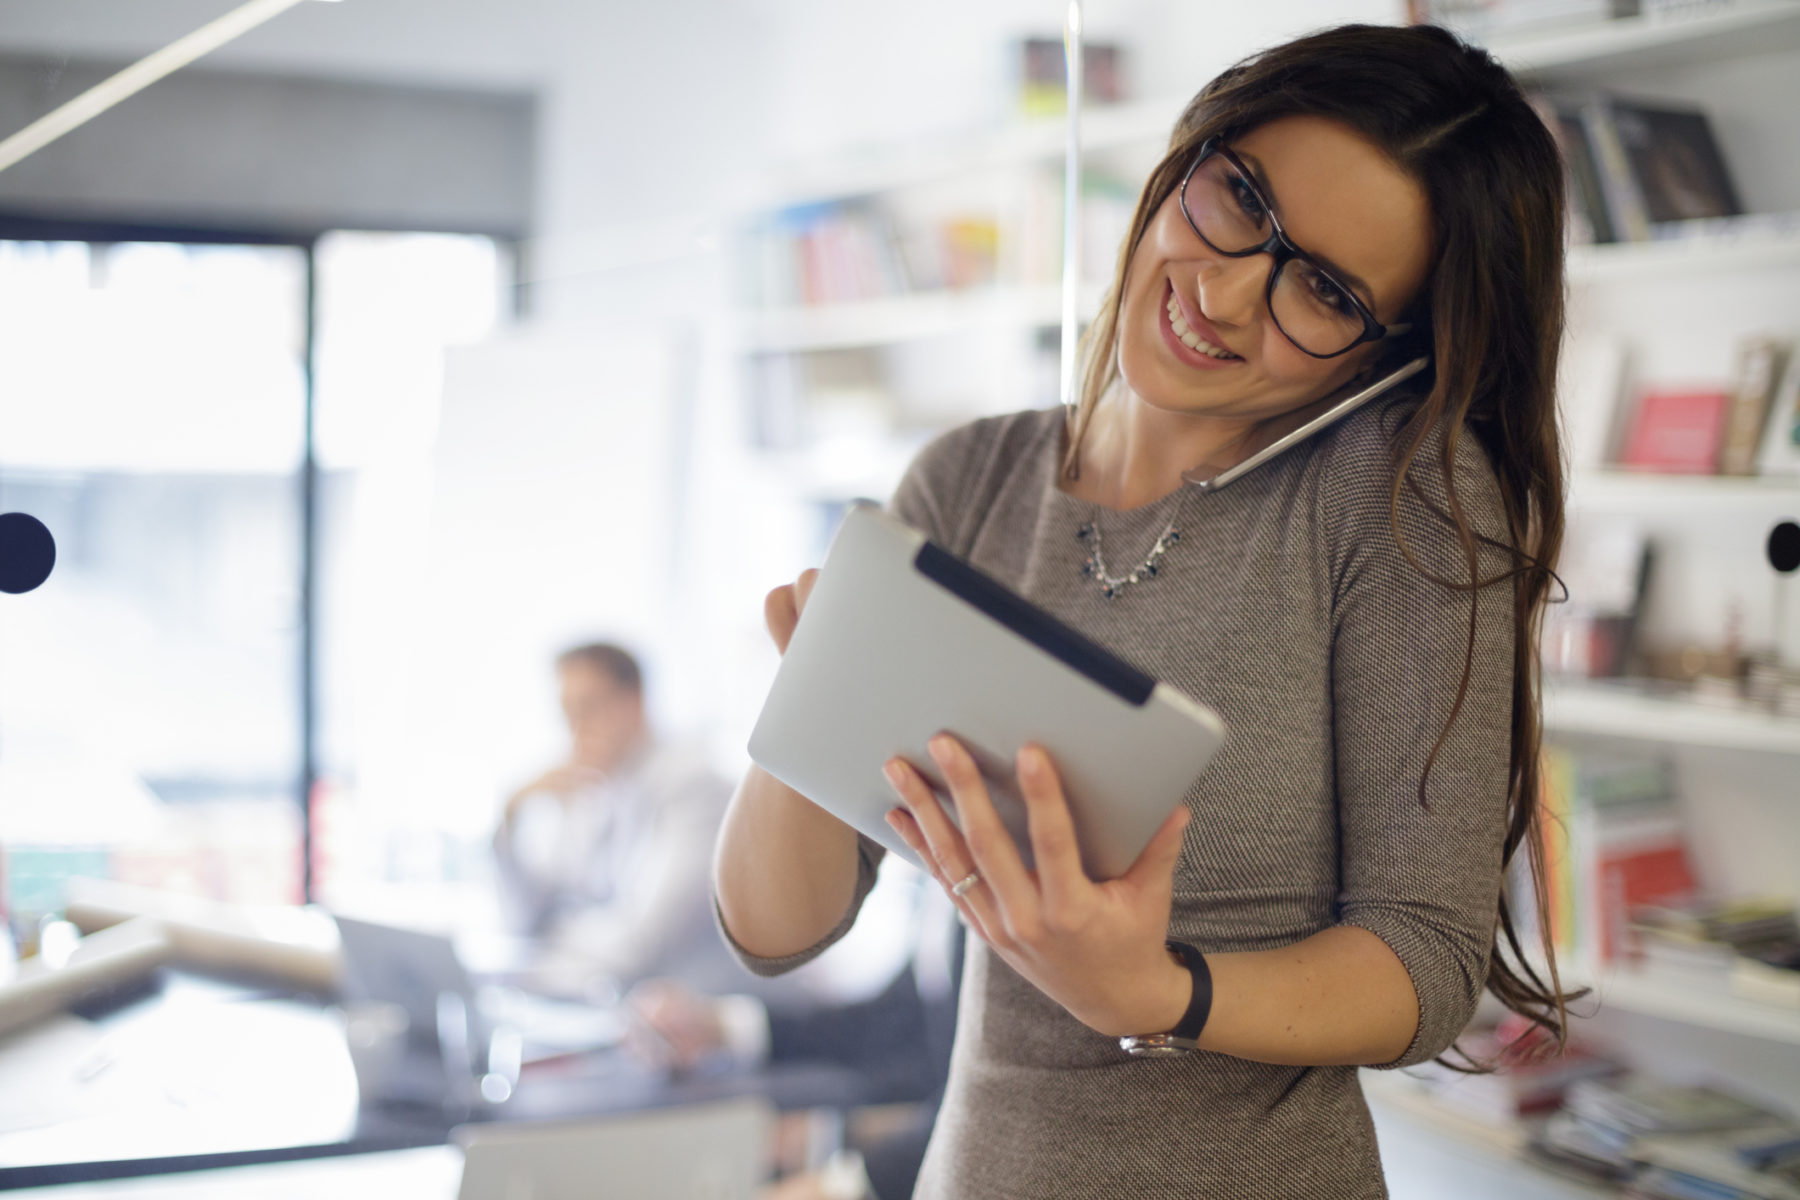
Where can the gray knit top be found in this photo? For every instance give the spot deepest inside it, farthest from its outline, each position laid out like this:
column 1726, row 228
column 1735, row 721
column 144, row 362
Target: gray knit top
column 1289, row 606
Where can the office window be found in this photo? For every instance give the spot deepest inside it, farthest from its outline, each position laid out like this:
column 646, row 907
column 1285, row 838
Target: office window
column 153, row 414
column 390, row 305
column 152, row 408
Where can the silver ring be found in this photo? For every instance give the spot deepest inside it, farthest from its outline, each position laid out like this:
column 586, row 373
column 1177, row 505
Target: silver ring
column 961, row 887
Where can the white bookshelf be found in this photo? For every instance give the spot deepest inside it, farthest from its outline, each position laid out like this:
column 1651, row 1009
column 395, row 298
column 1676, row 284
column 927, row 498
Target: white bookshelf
column 1570, row 52
column 1621, row 711
column 1628, row 989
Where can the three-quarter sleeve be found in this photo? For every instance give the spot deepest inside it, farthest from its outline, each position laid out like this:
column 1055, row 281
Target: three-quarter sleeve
column 926, row 495
column 869, row 854
column 1420, row 871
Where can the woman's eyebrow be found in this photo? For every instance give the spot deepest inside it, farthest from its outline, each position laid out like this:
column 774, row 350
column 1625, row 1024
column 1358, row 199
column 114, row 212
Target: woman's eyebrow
column 1349, row 278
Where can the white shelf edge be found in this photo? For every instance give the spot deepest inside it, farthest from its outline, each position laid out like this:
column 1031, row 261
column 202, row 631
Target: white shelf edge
column 1622, row 987
column 1635, row 991
column 1609, row 488
column 1644, row 40
column 1619, row 712
column 1760, row 241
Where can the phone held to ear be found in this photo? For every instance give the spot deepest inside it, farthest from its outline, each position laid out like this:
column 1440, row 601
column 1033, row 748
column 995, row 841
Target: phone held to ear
column 1324, row 420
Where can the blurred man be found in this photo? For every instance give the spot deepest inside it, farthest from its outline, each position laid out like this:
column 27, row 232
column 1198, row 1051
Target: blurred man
column 604, row 858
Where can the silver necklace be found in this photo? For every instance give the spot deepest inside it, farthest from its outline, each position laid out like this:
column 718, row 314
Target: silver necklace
column 1095, row 568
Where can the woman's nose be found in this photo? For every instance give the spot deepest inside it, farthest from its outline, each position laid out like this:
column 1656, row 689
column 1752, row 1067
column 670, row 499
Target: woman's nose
column 1231, row 289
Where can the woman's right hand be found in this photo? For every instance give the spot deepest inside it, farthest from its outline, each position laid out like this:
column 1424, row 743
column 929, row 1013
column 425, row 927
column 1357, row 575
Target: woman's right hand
column 782, row 608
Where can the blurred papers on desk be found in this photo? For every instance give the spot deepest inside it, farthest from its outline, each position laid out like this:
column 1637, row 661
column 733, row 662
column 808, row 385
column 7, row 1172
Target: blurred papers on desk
column 201, row 1069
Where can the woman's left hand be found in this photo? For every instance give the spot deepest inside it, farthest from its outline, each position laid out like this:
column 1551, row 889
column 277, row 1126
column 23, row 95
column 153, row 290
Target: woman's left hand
column 1095, row 948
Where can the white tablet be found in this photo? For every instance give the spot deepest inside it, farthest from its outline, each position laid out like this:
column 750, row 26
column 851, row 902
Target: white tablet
column 901, row 640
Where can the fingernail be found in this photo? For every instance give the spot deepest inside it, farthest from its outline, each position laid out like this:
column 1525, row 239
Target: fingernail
column 1031, row 760
column 891, row 819
column 896, row 774
column 942, row 748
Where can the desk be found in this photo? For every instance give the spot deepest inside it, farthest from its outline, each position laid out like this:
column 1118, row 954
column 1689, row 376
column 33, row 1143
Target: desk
column 205, row 1074
column 429, row 1173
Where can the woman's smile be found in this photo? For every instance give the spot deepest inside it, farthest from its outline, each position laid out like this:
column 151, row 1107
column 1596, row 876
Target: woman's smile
column 1189, row 338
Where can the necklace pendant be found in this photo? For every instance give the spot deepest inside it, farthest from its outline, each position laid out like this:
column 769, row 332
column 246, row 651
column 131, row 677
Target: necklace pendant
column 1094, row 566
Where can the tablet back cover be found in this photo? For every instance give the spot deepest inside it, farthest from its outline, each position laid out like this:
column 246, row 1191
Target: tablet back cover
column 900, row 640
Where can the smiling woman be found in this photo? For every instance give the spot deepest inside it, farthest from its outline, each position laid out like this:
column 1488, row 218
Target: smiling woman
column 1361, row 608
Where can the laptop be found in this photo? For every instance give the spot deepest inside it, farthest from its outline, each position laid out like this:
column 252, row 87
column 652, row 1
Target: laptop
column 422, row 973
column 717, row 1151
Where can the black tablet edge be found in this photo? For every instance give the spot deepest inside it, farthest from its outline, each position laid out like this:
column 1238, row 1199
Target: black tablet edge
column 1034, row 624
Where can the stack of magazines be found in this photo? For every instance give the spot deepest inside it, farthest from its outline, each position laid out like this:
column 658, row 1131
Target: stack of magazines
column 1748, row 947
column 1674, row 1142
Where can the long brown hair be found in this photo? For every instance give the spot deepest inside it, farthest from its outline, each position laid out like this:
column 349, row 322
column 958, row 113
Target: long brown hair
column 1490, row 313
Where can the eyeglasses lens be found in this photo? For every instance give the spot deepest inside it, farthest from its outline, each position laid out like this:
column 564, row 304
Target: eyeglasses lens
column 1312, row 309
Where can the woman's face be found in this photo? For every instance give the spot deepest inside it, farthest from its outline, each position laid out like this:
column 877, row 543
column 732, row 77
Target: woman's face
column 1341, row 200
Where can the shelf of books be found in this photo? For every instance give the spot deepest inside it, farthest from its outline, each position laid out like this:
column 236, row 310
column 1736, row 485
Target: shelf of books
column 1665, row 36
column 1629, row 914
column 1629, row 711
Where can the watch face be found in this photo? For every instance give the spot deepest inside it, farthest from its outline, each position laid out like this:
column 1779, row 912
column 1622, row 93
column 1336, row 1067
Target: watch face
column 1157, row 1045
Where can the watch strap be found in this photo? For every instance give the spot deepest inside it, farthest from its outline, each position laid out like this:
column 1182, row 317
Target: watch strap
column 1184, row 1037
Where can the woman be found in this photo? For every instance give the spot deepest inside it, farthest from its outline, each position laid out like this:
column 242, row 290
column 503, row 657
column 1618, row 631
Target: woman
column 1362, row 609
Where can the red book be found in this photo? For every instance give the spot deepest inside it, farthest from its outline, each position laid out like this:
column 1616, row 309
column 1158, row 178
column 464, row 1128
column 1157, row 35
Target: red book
column 1634, row 868
column 1679, row 433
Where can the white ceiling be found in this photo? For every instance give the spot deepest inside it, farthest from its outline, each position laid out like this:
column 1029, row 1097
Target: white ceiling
column 506, row 44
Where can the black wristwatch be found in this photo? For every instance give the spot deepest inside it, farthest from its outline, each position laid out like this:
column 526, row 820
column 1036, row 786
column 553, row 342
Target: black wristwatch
column 1182, row 1039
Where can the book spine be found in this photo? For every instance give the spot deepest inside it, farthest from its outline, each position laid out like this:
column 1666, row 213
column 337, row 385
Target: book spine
column 1780, row 453
column 1559, row 876
column 1625, row 209
column 1758, row 370
column 1584, row 176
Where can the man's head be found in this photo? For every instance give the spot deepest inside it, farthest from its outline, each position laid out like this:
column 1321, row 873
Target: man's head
column 603, row 701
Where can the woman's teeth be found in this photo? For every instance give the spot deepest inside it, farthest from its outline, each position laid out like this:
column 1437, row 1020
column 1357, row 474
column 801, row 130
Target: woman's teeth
column 1189, row 338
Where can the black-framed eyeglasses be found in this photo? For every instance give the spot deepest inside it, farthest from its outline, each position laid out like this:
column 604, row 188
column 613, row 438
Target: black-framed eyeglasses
column 1313, row 308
